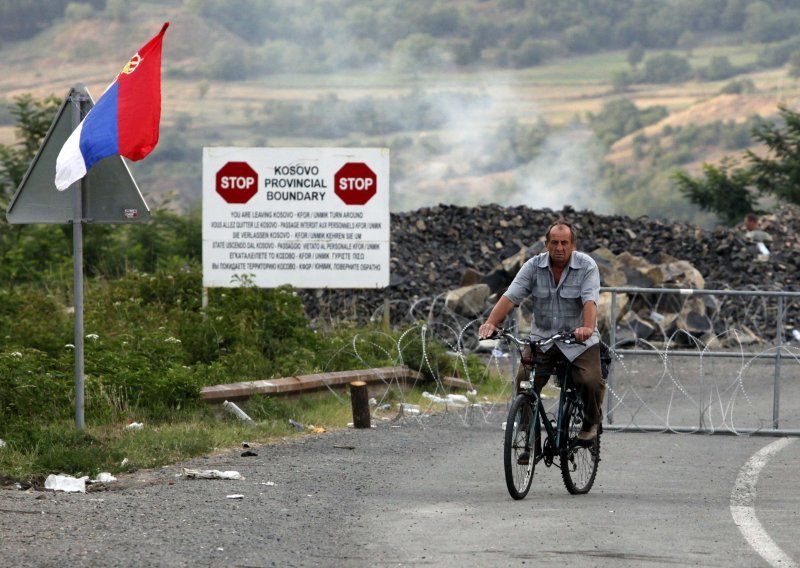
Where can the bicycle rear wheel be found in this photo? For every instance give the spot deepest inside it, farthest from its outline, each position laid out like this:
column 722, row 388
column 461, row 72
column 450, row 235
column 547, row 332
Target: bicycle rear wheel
column 519, row 449
column 578, row 460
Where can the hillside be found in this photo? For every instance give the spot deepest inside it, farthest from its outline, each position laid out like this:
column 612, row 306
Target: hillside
column 462, row 134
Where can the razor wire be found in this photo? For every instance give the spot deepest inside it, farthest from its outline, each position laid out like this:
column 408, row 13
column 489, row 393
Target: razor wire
column 737, row 372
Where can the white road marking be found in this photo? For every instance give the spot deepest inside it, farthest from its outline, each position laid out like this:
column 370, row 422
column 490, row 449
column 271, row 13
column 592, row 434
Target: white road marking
column 743, row 499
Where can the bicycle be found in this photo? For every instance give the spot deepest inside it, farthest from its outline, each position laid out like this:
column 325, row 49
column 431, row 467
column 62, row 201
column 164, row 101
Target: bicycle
column 523, row 447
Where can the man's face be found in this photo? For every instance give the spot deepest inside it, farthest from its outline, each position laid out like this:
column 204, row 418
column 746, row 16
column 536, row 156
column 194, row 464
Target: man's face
column 750, row 224
column 560, row 245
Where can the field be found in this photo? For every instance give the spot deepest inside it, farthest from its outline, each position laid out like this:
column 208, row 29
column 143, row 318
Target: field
column 429, row 166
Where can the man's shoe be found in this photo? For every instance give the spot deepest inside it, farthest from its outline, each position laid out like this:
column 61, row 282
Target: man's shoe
column 524, row 458
column 587, row 436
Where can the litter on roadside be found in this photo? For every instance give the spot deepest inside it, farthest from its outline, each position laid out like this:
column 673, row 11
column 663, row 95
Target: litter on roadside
column 236, row 411
column 406, row 408
column 235, row 496
column 66, row 483
column 70, row 484
column 103, row 477
column 309, row 427
column 2, row 443
column 210, row 474
column 134, row 426
column 449, row 400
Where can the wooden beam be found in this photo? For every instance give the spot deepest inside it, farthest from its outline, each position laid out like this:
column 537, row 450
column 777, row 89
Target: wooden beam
column 306, row 383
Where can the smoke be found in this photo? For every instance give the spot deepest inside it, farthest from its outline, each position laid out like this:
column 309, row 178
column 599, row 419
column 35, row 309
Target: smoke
column 471, row 159
column 566, row 172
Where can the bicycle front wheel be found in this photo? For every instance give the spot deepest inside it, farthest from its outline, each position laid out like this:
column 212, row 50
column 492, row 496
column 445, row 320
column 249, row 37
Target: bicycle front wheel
column 520, row 449
column 578, row 460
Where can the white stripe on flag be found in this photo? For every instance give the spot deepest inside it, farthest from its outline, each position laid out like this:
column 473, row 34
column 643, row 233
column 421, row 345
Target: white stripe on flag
column 70, row 165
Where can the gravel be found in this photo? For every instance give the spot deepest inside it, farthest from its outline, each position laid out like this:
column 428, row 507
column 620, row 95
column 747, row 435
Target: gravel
column 304, row 503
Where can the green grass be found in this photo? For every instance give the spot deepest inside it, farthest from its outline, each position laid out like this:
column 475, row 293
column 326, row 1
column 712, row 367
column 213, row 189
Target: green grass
column 33, row 452
column 151, row 346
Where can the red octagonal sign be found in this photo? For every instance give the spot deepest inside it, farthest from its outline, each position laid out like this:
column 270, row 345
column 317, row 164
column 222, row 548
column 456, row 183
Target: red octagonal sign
column 355, row 183
column 237, row 182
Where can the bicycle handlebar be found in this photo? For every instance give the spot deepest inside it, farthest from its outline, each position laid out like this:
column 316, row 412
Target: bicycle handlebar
column 565, row 336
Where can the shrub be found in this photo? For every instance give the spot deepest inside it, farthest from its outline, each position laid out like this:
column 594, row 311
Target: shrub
column 666, row 68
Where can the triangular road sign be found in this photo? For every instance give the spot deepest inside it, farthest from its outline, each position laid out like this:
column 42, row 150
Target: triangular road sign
column 110, row 194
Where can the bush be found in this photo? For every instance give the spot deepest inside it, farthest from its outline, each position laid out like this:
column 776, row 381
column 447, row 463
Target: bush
column 34, row 385
column 738, row 87
column 666, row 68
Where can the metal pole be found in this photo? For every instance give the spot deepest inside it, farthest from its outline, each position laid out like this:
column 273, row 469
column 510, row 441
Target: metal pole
column 612, row 339
column 77, row 270
column 776, row 393
column 514, row 362
column 386, row 316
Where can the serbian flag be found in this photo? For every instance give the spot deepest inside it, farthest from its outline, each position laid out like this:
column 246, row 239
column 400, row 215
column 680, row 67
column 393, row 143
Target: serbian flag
column 124, row 121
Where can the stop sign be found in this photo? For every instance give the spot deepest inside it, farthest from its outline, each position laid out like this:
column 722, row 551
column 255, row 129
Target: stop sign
column 237, row 182
column 355, row 183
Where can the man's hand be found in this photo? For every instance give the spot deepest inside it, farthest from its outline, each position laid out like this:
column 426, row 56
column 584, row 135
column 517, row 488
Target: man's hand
column 499, row 312
column 583, row 333
column 486, row 330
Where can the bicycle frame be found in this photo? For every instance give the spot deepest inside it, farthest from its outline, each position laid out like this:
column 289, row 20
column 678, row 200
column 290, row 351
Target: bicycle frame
column 554, row 433
column 563, row 374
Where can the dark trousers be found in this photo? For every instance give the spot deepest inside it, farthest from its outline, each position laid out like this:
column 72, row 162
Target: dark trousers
column 586, row 373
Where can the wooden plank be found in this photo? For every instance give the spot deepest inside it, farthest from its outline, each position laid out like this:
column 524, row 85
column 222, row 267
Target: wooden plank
column 317, row 381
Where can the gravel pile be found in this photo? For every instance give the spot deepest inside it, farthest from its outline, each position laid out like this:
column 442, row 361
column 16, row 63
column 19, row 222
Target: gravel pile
column 433, row 247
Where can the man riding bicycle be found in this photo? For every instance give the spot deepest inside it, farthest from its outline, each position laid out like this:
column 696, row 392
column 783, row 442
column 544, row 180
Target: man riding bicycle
column 565, row 288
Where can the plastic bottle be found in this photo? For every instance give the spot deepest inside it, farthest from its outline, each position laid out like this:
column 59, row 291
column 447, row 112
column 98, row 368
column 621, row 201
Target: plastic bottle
column 231, row 407
column 434, row 398
column 409, row 408
column 457, row 399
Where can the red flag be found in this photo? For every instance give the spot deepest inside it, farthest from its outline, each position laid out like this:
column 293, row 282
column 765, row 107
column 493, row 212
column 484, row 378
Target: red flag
column 124, row 121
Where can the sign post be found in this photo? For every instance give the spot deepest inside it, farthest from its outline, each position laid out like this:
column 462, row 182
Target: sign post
column 77, row 273
column 107, row 194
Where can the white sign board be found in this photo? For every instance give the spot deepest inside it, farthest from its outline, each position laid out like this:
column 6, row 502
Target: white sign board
column 308, row 217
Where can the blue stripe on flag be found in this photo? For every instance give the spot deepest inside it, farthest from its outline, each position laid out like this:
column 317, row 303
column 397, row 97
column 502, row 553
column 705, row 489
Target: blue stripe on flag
column 99, row 137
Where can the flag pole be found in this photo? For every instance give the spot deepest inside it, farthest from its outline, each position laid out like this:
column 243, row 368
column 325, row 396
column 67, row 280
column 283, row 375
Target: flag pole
column 77, row 269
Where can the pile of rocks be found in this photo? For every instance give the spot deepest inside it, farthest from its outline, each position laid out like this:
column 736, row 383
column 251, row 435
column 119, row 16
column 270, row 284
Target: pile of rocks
column 438, row 249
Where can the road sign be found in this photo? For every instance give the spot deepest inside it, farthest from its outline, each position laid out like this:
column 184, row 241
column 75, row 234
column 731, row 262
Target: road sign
column 293, row 228
column 355, row 183
column 237, row 182
column 109, row 193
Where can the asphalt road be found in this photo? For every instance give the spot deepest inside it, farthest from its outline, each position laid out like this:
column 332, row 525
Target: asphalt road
column 426, row 491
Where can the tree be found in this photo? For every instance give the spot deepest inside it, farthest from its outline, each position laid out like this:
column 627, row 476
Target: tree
column 730, row 192
column 666, row 68
column 720, row 68
column 620, row 80
column 635, row 54
column 778, row 173
column 415, row 52
column 725, row 191
column 33, row 121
